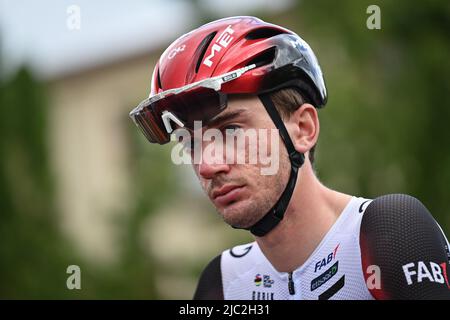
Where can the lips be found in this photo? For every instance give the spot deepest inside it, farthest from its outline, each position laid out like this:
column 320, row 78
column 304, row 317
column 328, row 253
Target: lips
column 226, row 194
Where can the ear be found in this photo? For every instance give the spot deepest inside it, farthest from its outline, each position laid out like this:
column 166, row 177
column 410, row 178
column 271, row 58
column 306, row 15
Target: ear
column 303, row 127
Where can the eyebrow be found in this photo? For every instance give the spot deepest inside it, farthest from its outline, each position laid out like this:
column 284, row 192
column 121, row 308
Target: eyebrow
column 225, row 117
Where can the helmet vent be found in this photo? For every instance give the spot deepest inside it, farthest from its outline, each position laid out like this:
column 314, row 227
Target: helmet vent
column 264, row 58
column 263, row 33
column 158, row 78
column 201, row 49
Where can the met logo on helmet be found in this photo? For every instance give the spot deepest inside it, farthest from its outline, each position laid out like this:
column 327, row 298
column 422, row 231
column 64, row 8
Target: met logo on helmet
column 222, row 42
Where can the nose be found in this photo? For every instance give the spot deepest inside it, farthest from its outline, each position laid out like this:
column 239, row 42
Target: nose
column 211, row 165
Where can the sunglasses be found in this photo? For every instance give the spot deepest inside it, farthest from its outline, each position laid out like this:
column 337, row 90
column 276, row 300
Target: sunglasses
column 198, row 101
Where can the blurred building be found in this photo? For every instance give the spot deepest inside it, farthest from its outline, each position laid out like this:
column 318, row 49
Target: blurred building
column 89, row 119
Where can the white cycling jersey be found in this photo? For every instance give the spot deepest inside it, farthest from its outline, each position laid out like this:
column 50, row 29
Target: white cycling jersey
column 387, row 248
column 333, row 270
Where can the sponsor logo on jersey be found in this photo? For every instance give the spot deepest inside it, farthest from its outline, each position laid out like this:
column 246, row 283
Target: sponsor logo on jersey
column 258, row 280
column 325, row 261
column 362, row 208
column 259, row 295
column 324, row 277
column 421, row 271
column 264, row 280
column 240, row 253
column 331, row 291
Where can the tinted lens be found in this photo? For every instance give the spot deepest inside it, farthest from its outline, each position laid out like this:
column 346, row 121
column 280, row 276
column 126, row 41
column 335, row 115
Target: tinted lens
column 200, row 104
column 147, row 122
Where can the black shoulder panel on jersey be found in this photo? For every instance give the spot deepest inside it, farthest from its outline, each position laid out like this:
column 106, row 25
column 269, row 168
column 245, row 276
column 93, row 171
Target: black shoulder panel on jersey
column 400, row 237
column 210, row 284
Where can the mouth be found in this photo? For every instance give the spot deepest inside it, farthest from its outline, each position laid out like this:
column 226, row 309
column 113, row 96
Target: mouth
column 226, row 194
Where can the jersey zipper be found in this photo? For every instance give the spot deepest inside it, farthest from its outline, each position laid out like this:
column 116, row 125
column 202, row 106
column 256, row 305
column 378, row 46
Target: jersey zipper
column 291, row 284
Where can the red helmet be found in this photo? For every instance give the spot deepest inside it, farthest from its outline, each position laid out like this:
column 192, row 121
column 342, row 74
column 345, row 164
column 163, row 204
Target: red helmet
column 228, row 56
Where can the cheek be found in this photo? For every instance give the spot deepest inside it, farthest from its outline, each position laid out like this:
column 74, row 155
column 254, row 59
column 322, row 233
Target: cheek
column 253, row 177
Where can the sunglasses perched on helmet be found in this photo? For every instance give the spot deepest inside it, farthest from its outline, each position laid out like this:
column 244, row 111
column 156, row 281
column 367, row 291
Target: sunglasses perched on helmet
column 198, row 101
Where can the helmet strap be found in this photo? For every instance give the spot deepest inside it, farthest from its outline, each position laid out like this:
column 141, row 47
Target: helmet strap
column 276, row 213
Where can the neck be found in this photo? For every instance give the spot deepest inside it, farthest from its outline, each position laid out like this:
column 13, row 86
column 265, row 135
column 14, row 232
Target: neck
column 312, row 211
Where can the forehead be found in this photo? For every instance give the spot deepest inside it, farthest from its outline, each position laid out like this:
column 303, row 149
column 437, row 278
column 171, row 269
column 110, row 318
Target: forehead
column 247, row 108
column 242, row 101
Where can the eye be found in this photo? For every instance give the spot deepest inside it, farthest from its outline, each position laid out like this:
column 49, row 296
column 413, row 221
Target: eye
column 231, row 128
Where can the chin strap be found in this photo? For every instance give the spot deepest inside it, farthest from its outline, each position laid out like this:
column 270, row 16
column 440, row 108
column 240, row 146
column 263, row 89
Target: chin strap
column 276, row 213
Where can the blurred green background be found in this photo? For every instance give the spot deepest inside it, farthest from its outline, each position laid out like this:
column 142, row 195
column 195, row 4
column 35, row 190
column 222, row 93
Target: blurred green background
column 80, row 186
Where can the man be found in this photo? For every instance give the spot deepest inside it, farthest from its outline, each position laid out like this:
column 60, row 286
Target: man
column 240, row 74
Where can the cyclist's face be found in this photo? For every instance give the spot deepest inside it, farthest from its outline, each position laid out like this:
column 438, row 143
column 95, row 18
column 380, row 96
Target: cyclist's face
column 244, row 173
